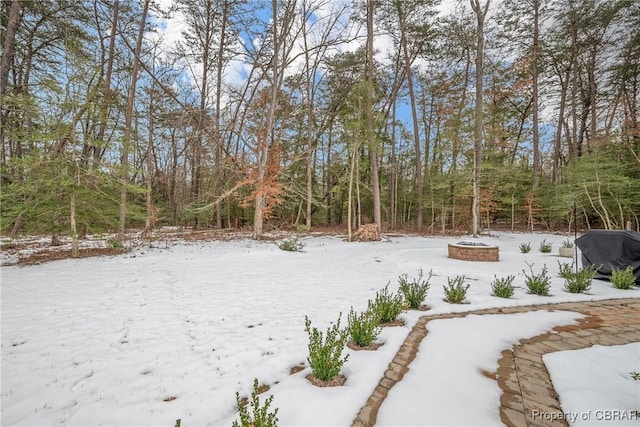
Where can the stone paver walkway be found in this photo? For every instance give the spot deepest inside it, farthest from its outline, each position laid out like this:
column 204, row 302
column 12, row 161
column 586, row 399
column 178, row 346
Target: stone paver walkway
column 528, row 397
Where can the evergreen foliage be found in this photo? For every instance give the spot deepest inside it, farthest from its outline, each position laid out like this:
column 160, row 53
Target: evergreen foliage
column 623, row 278
column 580, row 282
column 292, row 244
column 386, row 306
column 537, row 284
column 414, row 291
column 325, row 349
column 63, row 120
column 260, row 415
column 363, row 328
column 567, row 243
column 566, row 269
column 545, row 247
column 503, row 287
column 525, row 248
column 456, row 291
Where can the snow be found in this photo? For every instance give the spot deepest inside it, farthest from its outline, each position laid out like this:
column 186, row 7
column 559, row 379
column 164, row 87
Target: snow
column 449, row 368
column 595, row 384
column 105, row 341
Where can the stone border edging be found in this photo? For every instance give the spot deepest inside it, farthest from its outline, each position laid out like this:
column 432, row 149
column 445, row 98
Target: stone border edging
column 521, row 374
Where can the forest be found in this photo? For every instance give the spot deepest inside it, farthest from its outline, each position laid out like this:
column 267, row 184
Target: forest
column 121, row 115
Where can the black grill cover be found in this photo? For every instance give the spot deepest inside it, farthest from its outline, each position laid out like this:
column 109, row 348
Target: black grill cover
column 608, row 248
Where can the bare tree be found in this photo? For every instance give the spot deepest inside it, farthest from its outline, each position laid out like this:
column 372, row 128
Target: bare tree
column 9, row 44
column 331, row 34
column 281, row 25
column 481, row 13
column 126, row 141
column 370, row 134
column 6, row 61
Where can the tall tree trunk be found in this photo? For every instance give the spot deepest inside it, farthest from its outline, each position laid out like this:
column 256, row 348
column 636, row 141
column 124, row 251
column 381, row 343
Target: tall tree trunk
column 481, row 13
column 151, row 212
column 310, row 117
column 557, row 144
column 329, row 179
column 8, row 48
column 267, row 133
column 126, row 141
column 373, row 150
column 352, row 168
column 8, row 51
column 106, row 90
column 575, row 146
column 414, row 117
column 219, row 175
column 593, row 94
column 457, row 142
column 534, row 83
column 394, row 172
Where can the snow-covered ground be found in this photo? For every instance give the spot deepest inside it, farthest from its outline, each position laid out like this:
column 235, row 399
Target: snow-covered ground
column 159, row 334
column 586, row 378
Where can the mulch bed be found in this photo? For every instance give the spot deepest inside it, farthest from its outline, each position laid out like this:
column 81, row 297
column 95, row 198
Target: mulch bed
column 372, row 346
column 296, row 369
column 336, row 381
column 45, row 256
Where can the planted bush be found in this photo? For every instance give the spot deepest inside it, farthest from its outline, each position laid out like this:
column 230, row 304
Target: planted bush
column 545, row 247
column 567, row 243
column 525, row 247
column 325, row 350
column 302, row 228
column 414, row 291
column 259, row 416
column 116, row 244
column 456, row 291
column 538, row 284
column 363, row 328
column 386, row 307
column 623, row 278
column 503, row 287
column 566, row 269
column 581, row 281
column 292, row 244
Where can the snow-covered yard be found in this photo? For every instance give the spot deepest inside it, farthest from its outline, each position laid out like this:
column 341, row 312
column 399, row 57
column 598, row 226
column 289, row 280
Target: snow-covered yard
column 159, row 334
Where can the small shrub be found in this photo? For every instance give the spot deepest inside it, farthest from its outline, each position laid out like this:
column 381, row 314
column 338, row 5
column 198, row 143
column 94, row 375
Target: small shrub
column 325, row 350
column 302, row 228
column 363, row 328
column 538, row 284
column 635, row 375
column 292, row 244
column 178, row 421
column 455, row 292
column 566, row 269
column 416, row 290
column 260, row 416
column 525, row 248
column 386, row 307
column 623, row 278
column 115, row 244
column 580, row 282
column 567, row 244
column 503, row 287
column 545, row 247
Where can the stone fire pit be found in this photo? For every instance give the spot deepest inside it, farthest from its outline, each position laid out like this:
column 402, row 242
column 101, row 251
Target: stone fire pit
column 474, row 251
